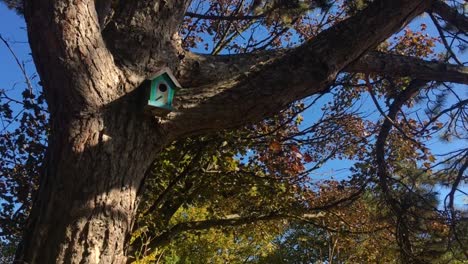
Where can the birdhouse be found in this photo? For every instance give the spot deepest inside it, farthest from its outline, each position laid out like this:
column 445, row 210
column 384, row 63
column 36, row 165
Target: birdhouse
column 161, row 92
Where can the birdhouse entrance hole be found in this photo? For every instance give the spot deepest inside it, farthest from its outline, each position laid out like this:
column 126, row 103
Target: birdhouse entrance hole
column 163, row 87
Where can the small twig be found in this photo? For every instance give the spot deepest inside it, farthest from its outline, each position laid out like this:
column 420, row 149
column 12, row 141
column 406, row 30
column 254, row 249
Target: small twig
column 20, row 65
column 392, row 122
column 225, row 18
column 444, row 40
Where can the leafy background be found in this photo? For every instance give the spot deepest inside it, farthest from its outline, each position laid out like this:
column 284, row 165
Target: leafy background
column 299, row 187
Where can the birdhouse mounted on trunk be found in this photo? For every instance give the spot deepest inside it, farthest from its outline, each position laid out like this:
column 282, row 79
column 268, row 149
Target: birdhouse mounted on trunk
column 161, row 92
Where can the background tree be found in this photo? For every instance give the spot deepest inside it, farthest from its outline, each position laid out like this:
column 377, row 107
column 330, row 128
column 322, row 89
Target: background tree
column 102, row 147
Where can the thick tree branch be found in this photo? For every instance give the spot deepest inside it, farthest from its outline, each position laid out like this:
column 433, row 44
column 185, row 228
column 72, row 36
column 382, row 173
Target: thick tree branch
column 450, row 15
column 303, row 71
column 271, row 85
column 202, row 70
column 404, row 66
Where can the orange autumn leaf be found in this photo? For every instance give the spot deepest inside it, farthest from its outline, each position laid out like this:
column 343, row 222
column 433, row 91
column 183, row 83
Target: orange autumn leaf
column 275, row 146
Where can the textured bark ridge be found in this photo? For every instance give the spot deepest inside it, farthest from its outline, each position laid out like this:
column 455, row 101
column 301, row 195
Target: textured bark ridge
column 305, row 70
column 101, row 141
column 92, row 57
column 79, row 216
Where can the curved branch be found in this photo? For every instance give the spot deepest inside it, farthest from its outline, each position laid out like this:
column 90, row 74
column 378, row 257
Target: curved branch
column 231, row 220
column 455, row 185
column 236, row 220
column 303, row 215
column 382, row 171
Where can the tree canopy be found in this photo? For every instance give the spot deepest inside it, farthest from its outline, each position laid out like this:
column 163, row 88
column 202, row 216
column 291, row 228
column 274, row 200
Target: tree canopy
column 273, row 91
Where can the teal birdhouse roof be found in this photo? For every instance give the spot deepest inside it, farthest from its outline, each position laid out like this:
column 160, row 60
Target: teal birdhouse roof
column 166, row 72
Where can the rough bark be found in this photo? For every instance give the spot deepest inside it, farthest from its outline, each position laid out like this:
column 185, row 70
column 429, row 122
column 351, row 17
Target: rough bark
column 88, row 196
column 92, row 61
column 298, row 73
column 200, row 69
column 100, row 145
column 398, row 65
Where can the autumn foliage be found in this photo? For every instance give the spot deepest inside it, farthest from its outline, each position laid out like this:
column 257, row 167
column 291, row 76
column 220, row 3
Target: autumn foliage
column 260, row 194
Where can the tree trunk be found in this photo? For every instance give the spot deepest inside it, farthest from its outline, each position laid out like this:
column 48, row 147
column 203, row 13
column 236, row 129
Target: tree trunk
column 101, row 141
column 88, row 197
column 100, row 144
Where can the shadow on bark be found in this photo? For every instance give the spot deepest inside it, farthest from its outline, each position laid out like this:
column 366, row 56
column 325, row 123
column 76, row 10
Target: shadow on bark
column 86, row 204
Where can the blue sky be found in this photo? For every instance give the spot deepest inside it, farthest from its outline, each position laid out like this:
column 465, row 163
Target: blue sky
column 12, row 28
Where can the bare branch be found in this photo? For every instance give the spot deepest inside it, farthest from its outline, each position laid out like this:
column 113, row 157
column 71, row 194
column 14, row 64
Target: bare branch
column 226, row 18
column 383, row 174
column 455, row 185
column 450, row 53
column 379, row 108
column 450, row 15
column 20, row 65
